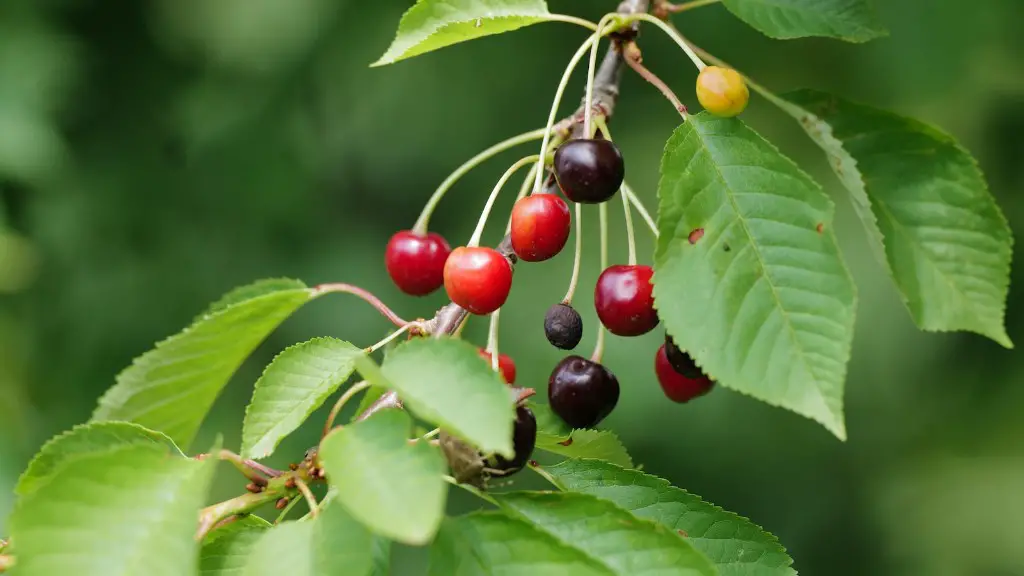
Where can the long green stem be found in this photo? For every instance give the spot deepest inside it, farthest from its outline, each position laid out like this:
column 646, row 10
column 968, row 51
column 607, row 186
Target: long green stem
column 592, row 66
column 672, row 33
column 288, row 508
column 576, row 257
column 390, row 337
column 355, row 389
column 492, row 339
column 435, row 198
column 479, row 231
column 603, row 212
column 559, row 92
column 572, row 20
column 630, row 237
column 628, row 192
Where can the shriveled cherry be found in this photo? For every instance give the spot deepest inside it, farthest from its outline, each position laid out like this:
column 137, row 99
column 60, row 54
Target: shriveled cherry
column 582, row 392
column 563, row 326
column 540, row 227
column 589, row 171
column 624, row 298
column 524, row 438
column 506, row 366
column 722, row 91
column 478, row 279
column 415, row 261
column 679, row 387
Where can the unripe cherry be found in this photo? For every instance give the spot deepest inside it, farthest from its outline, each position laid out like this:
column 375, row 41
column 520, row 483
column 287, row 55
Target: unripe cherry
column 722, row 91
column 540, row 227
column 478, row 279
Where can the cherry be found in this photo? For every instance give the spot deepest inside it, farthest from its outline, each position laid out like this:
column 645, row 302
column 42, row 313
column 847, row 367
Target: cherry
column 478, row 279
column 506, row 366
column 681, row 361
column 624, row 300
column 582, row 392
column 563, row 326
column 677, row 386
column 524, row 437
column 416, row 262
column 722, row 91
column 589, row 171
column 540, row 227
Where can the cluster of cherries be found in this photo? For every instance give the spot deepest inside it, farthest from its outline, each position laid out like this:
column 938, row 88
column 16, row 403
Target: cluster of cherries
column 589, row 171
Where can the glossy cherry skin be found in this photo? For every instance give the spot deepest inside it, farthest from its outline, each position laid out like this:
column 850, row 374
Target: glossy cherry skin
column 524, row 438
column 416, row 262
column 540, row 227
column 722, row 91
column 506, row 366
column 582, row 392
column 478, row 279
column 679, row 387
column 589, row 171
column 563, row 326
column 624, row 298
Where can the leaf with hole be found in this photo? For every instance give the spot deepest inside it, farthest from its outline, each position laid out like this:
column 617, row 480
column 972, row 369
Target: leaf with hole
column 611, row 536
column 434, row 24
column 393, row 486
column 294, row 385
column 437, row 378
column 171, row 388
column 850, row 20
column 763, row 300
column 737, row 546
column 123, row 511
column 928, row 211
column 485, row 543
column 86, row 439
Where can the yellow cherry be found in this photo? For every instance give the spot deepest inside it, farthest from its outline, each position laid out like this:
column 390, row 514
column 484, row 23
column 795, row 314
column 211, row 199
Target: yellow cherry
column 722, row 91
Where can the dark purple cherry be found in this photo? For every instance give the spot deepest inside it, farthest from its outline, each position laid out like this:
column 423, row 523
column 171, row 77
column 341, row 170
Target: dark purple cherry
column 582, row 392
column 524, row 437
column 589, row 171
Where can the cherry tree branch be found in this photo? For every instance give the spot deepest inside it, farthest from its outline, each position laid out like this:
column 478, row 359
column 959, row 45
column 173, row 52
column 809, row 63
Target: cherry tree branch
column 606, row 93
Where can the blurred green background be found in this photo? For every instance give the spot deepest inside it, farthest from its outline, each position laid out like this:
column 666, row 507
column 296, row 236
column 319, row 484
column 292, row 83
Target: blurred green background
column 154, row 154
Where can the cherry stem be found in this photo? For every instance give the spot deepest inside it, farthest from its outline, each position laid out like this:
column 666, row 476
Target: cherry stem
column 672, row 33
column 603, row 212
column 422, row 222
column 390, row 337
column 525, row 188
column 588, row 96
column 475, row 239
column 431, row 434
column 573, row 20
column 633, row 60
column 559, row 92
column 677, row 8
column 627, row 191
column 367, row 296
column 630, row 236
column 492, row 339
column 314, row 507
column 355, row 389
column 286, row 510
column 576, row 257
column 252, row 470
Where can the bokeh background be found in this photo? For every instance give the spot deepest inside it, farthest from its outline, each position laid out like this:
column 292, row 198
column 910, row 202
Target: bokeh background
column 154, row 154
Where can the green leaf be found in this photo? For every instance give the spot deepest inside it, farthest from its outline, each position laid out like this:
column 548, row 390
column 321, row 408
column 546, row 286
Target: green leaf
column 171, row 388
column 438, row 378
column 761, row 299
column 489, row 543
column 250, row 291
column 389, row 484
column 434, row 24
column 736, row 545
column 850, row 20
column 926, row 206
column 613, row 537
column 86, row 439
column 124, row 511
column 599, row 444
column 549, row 424
column 331, row 543
column 294, row 385
column 226, row 550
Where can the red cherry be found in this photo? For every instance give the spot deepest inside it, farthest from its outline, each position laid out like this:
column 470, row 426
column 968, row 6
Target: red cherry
column 506, row 365
column 678, row 387
column 416, row 262
column 540, row 227
column 478, row 279
column 624, row 300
